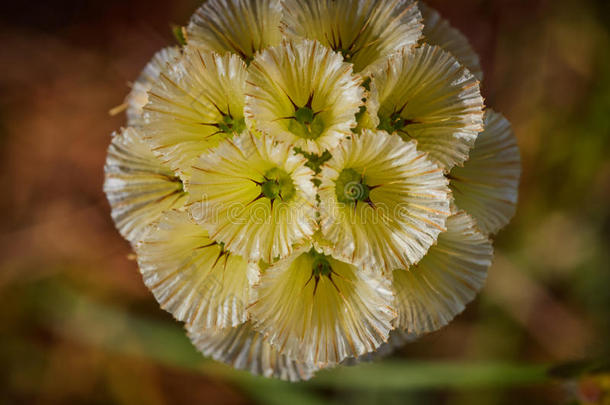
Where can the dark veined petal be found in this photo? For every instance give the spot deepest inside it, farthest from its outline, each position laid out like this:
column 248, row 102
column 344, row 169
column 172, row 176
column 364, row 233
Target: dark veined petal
column 230, row 197
column 438, row 31
column 322, row 318
column 197, row 102
column 404, row 203
column 427, row 95
column 238, row 26
column 362, row 30
column 303, row 93
column 193, row 277
column 430, row 294
column 487, row 186
column 245, row 349
column 138, row 97
column 138, row 186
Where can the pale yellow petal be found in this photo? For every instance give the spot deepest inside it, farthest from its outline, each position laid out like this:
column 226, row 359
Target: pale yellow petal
column 438, row 31
column 303, row 77
column 238, row 26
column 430, row 294
column 487, row 186
column 138, row 97
column 138, row 186
column 193, row 277
column 322, row 320
column 245, row 349
column 407, row 208
column 196, row 102
column 362, row 30
column 425, row 94
column 227, row 197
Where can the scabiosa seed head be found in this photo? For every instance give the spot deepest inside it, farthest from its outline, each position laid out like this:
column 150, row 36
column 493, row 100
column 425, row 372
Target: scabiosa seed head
column 307, row 183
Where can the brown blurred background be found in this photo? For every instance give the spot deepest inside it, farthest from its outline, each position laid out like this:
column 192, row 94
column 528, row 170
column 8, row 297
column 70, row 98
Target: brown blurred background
column 77, row 325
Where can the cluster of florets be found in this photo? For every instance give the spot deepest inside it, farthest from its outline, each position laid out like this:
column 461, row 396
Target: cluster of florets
column 304, row 180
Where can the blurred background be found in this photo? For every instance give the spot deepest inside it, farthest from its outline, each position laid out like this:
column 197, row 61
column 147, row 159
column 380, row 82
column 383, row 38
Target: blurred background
column 77, row 325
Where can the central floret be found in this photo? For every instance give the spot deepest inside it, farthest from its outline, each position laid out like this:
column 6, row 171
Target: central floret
column 303, row 93
column 278, row 184
column 306, row 123
column 350, row 187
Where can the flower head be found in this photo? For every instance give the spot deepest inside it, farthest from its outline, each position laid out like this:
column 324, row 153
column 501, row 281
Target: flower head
column 320, row 310
column 383, row 203
column 430, row 294
column 487, row 186
column 195, row 103
column 426, row 95
column 363, row 31
column 241, row 27
column 255, row 195
column 138, row 185
column 309, row 183
column 245, row 348
column 303, row 93
column 192, row 276
column 138, row 97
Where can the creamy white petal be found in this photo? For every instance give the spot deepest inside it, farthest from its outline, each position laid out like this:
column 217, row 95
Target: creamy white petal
column 138, row 97
column 301, row 76
column 227, row 197
column 138, row 186
column 193, row 277
column 322, row 320
column 196, row 102
column 409, row 202
column 362, row 30
column 245, row 349
column 430, row 294
column 487, row 186
column 427, row 95
column 438, row 31
column 238, row 26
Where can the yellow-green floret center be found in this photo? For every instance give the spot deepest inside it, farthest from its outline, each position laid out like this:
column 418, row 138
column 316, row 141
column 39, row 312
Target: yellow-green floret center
column 278, row 184
column 392, row 123
column 320, row 266
column 230, row 125
column 305, row 123
column 350, row 187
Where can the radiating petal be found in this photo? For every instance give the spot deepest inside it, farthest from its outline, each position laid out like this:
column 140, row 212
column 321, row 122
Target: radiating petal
column 432, row 293
column 407, row 206
column 362, row 30
column 303, row 93
column 138, row 97
column 245, row 349
column 426, row 95
column 196, row 102
column 193, row 277
column 487, row 186
column 138, row 186
column 228, row 198
column 438, row 31
column 322, row 320
column 239, row 26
